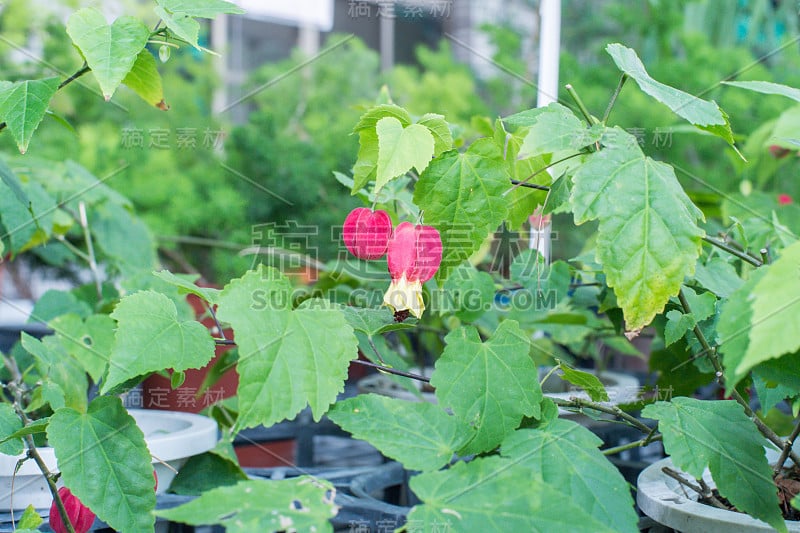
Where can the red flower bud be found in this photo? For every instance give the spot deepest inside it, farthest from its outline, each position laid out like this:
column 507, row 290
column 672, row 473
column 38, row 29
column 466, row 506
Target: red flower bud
column 366, row 232
column 414, row 256
column 778, row 152
column 784, row 199
column 79, row 515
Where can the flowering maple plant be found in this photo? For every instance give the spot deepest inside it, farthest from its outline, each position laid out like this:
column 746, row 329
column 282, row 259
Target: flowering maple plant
column 720, row 295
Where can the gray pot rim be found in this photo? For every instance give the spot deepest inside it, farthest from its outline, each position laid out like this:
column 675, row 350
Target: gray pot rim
column 661, row 498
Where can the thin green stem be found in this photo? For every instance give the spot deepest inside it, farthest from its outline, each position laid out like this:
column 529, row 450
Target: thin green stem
column 713, row 356
column 530, row 185
column 614, row 96
column 631, row 445
column 375, row 349
column 744, row 256
column 522, row 183
column 584, row 111
column 33, row 453
column 394, row 371
column 787, row 448
column 84, row 222
column 72, row 248
column 547, row 376
column 765, row 258
column 80, row 72
column 613, row 410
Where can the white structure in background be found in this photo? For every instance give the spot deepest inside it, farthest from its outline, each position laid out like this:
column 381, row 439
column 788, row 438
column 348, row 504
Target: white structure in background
column 549, row 49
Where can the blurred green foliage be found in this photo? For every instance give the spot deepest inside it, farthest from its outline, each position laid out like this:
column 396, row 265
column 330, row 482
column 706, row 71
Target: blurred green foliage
column 298, row 130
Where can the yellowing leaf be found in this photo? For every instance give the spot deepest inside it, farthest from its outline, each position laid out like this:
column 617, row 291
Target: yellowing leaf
column 648, row 238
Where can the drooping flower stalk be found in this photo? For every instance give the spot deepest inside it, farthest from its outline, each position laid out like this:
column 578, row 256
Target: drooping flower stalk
column 414, row 256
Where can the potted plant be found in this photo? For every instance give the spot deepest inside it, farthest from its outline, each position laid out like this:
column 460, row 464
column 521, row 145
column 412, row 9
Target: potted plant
column 494, row 451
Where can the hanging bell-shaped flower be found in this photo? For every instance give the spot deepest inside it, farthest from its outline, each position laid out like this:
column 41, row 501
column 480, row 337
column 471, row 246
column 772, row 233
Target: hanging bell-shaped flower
column 366, row 232
column 79, row 515
column 414, row 256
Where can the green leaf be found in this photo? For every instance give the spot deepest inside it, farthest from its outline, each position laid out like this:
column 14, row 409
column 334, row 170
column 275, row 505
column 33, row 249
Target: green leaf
column 703, row 305
column 366, row 166
column 287, row 359
column 150, row 337
column 588, row 382
column 54, row 363
column 186, row 285
column 373, row 322
column 462, row 196
column 205, row 472
column 48, row 393
column 776, row 311
column 23, row 105
column 29, row 520
column 566, row 455
column 123, row 237
column 26, row 224
column 145, row 80
column 495, row 494
column 551, row 129
column 12, row 183
column 182, row 25
column 677, row 326
column 369, row 120
column 719, row 436
column 35, row 426
column 440, row 129
column 299, row 504
column 558, row 201
column 468, row 293
column 703, row 114
column 648, row 238
column 401, row 149
column 490, row 385
column 734, row 329
column 767, row 87
column 208, row 9
column 55, row 303
column 769, row 394
column 10, row 424
column 89, row 342
column 418, row 434
column 109, row 50
column 103, row 459
column 718, row 276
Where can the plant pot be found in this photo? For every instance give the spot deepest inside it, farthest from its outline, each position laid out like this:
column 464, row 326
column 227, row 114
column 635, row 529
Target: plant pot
column 662, row 498
column 172, row 437
column 621, row 388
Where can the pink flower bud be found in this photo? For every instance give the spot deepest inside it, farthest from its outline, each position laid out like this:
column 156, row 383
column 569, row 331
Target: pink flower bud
column 366, row 232
column 784, row 199
column 79, row 515
column 414, row 256
column 778, row 152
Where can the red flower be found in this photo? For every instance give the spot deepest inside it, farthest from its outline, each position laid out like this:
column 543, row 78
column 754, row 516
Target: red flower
column 414, row 256
column 366, row 232
column 784, row 199
column 778, row 152
column 79, row 515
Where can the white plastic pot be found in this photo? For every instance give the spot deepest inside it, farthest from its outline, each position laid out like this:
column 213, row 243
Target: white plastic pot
column 171, row 436
column 663, row 499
